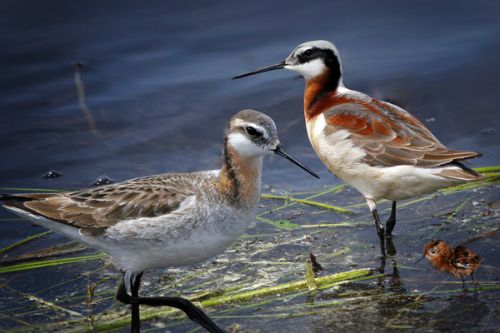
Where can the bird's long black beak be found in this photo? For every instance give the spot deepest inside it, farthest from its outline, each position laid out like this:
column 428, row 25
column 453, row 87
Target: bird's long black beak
column 422, row 257
column 262, row 70
column 279, row 151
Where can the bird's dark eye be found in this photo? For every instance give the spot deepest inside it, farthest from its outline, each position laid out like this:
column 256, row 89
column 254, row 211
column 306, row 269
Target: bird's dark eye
column 307, row 53
column 433, row 251
column 252, row 131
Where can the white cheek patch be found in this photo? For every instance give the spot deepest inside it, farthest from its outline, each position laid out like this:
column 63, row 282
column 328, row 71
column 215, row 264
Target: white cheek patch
column 310, row 69
column 244, row 146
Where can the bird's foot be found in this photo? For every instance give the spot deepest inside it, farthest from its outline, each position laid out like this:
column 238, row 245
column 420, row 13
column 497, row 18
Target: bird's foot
column 192, row 311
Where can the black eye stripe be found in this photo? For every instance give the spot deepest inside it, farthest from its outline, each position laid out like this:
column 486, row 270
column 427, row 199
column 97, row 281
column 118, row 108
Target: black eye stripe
column 315, row 53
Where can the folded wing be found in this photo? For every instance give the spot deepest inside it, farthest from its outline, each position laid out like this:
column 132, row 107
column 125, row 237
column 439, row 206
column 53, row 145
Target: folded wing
column 389, row 135
column 96, row 209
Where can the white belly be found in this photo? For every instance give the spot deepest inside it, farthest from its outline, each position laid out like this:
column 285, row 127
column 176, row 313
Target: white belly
column 149, row 243
column 161, row 244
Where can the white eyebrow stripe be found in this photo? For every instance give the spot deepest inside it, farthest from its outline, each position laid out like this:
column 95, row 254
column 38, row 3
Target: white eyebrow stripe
column 304, row 48
column 257, row 127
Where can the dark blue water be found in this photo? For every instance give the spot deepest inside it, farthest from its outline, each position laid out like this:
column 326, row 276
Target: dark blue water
column 158, row 89
column 157, row 81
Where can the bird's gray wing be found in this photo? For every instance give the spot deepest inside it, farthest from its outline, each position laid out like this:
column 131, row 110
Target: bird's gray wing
column 96, row 209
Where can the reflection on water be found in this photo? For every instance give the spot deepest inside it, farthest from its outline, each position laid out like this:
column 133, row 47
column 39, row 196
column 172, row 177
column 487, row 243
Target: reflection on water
column 154, row 94
column 463, row 313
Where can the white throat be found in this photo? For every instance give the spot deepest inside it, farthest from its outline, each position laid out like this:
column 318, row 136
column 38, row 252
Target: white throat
column 310, row 69
column 244, row 147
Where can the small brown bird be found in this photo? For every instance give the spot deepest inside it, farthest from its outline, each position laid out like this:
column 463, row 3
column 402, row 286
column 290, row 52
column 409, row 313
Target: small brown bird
column 458, row 261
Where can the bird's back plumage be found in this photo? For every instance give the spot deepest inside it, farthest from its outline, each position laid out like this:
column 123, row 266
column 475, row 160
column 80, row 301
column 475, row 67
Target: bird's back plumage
column 388, row 134
column 98, row 208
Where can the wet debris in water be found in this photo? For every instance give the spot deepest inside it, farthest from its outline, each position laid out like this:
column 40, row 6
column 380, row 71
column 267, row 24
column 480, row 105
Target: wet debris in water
column 235, row 327
column 80, row 90
column 103, row 180
column 494, row 204
column 316, row 266
column 488, row 212
column 52, row 174
column 79, row 64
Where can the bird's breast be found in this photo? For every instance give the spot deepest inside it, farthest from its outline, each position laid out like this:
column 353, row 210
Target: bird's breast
column 334, row 147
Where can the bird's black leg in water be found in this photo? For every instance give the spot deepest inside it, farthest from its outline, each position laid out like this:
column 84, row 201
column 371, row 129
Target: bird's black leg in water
column 124, row 297
column 135, row 325
column 193, row 312
column 380, row 231
column 391, row 222
column 389, row 246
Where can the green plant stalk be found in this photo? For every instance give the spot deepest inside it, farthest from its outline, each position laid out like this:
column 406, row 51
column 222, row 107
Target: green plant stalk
column 494, row 168
column 334, row 225
column 308, row 202
column 112, row 322
column 23, row 241
column 311, row 282
column 341, row 251
column 25, row 189
column 45, row 303
column 335, row 189
column 280, row 224
column 456, row 210
column 49, row 263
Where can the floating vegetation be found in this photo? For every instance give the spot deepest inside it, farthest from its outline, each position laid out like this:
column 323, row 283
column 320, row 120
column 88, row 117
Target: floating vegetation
column 308, row 202
column 267, row 280
column 49, row 263
column 23, row 241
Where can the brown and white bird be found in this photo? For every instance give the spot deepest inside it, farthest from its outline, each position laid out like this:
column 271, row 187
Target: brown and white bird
column 458, row 261
column 166, row 220
column 376, row 147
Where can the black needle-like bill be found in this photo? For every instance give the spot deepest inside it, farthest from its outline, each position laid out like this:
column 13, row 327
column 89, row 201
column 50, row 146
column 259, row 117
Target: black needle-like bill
column 262, row 70
column 279, row 151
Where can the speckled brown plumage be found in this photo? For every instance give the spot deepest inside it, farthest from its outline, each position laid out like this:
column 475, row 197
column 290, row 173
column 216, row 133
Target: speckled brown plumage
column 459, row 261
column 105, row 206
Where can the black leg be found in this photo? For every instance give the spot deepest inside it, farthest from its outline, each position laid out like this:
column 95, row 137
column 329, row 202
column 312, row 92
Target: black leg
column 380, row 231
column 391, row 222
column 124, row 297
column 193, row 312
column 135, row 283
column 389, row 245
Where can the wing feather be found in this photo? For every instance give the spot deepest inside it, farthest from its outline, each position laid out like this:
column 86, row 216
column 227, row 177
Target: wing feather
column 99, row 208
column 389, row 135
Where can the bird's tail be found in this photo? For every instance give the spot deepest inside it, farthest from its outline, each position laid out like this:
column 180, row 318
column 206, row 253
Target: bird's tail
column 459, row 171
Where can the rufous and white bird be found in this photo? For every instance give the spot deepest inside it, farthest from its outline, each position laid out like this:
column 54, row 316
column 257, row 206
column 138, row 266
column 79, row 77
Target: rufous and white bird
column 374, row 146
